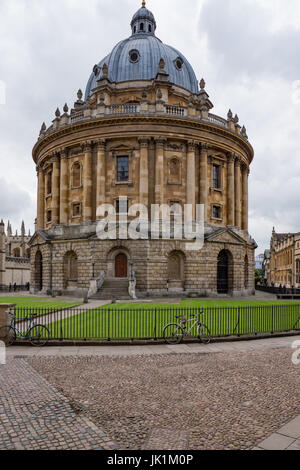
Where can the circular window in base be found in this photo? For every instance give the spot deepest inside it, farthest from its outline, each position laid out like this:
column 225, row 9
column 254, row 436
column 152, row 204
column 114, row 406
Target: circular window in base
column 134, row 56
column 179, row 63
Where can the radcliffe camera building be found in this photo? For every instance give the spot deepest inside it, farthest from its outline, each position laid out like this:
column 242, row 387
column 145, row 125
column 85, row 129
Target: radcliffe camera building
column 144, row 130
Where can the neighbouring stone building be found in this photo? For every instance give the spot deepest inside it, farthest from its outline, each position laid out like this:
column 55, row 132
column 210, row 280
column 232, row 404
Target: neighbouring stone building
column 143, row 130
column 284, row 260
column 14, row 257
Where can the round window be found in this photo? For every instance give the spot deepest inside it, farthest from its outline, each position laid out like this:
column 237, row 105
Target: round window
column 179, row 63
column 134, row 56
column 96, row 70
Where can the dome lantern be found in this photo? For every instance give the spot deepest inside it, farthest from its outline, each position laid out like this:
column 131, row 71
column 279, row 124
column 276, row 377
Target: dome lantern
column 143, row 22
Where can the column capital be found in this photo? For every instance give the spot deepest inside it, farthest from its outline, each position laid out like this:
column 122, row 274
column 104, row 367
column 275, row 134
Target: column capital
column 238, row 162
column 160, row 142
column 231, row 157
column 144, row 141
column 63, row 152
column 191, row 145
column 87, row 146
column 101, row 144
column 205, row 146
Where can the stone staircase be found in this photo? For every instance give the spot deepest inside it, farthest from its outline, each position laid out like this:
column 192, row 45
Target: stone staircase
column 113, row 289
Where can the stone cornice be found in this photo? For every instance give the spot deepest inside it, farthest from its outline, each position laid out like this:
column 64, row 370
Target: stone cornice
column 115, row 121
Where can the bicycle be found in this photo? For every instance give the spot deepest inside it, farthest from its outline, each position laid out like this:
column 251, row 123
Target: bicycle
column 36, row 333
column 175, row 332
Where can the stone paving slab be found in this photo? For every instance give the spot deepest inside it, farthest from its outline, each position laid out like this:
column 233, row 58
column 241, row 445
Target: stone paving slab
column 287, row 438
column 229, row 346
column 36, row 416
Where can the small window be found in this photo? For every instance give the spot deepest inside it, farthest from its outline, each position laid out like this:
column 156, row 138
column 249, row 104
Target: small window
column 216, row 212
column 149, row 28
column 76, row 210
column 142, row 27
column 49, row 216
column 123, row 169
column 134, row 29
column 49, row 182
column 179, row 63
column 216, row 177
column 134, row 56
column 122, row 206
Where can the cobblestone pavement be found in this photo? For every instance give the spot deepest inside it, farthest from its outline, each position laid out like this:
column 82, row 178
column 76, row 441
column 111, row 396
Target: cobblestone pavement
column 34, row 415
column 220, row 400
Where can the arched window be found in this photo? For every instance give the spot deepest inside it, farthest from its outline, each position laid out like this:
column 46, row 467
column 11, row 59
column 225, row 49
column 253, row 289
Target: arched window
column 70, row 268
column 142, row 27
column 76, row 175
column 175, row 266
column 38, row 271
column 149, row 28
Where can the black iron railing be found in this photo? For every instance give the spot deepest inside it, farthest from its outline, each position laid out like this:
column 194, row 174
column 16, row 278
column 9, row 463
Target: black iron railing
column 114, row 324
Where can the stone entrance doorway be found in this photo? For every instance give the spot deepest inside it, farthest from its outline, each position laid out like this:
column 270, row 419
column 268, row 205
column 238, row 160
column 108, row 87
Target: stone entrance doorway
column 121, row 266
column 225, row 272
column 39, row 271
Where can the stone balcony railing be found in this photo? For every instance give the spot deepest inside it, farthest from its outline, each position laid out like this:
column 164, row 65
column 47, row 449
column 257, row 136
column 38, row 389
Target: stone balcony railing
column 104, row 111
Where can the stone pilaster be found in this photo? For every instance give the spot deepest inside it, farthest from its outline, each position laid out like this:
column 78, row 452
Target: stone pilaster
column 230, row 190
column 64, row 187
column 204, row 178
column 40, row 199
column 191, row 177
column 144, row 185
column 101, row 174
column 245, row 174
column 87, row 182
column 55, row 189
column 238, row 195
column 159, row 171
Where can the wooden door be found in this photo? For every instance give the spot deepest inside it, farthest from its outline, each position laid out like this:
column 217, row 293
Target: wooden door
column 121, row 265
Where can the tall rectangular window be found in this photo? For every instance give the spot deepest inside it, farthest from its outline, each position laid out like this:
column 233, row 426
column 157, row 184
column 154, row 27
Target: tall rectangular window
column 216, row 177
column 123, row 169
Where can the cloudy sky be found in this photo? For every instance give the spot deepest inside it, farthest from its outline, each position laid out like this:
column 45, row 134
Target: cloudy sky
column 247, row 51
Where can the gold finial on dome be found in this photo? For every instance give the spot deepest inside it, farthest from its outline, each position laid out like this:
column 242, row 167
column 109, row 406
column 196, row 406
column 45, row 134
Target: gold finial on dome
column 143, row 3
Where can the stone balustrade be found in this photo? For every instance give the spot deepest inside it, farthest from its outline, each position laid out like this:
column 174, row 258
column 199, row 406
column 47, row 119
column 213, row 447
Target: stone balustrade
column 133, row 109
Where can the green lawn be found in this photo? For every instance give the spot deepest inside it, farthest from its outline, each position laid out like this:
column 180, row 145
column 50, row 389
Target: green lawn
column 42, row 305
column 224, row 318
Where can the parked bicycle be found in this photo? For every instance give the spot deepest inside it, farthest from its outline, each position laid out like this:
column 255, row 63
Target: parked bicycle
column 175, row 332
column 37, row 334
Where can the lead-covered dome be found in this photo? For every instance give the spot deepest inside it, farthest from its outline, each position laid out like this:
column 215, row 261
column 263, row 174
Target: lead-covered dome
column 137, row 58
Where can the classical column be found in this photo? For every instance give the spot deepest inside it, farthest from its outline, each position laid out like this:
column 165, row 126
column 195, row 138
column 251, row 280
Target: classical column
column 55, row 189
column 64, row 187
column 159, row 171
column 144, row 186
column 40, row 199
column 191, row 177
column 230, row 190
column 245, row 173
column 101, row 169
column 87, row 182
column 204, row 178
column 238, row 195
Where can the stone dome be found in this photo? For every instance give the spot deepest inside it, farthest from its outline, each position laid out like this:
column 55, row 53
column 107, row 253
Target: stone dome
column 137, row 58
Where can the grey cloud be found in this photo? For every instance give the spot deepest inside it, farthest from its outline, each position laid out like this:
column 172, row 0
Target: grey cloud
column 239, row 33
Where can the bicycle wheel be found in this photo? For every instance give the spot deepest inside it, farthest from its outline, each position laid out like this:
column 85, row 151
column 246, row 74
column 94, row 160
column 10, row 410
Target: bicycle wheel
column 203, row 334
column 7, row 335
column 39, row 335
column 173, row 333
